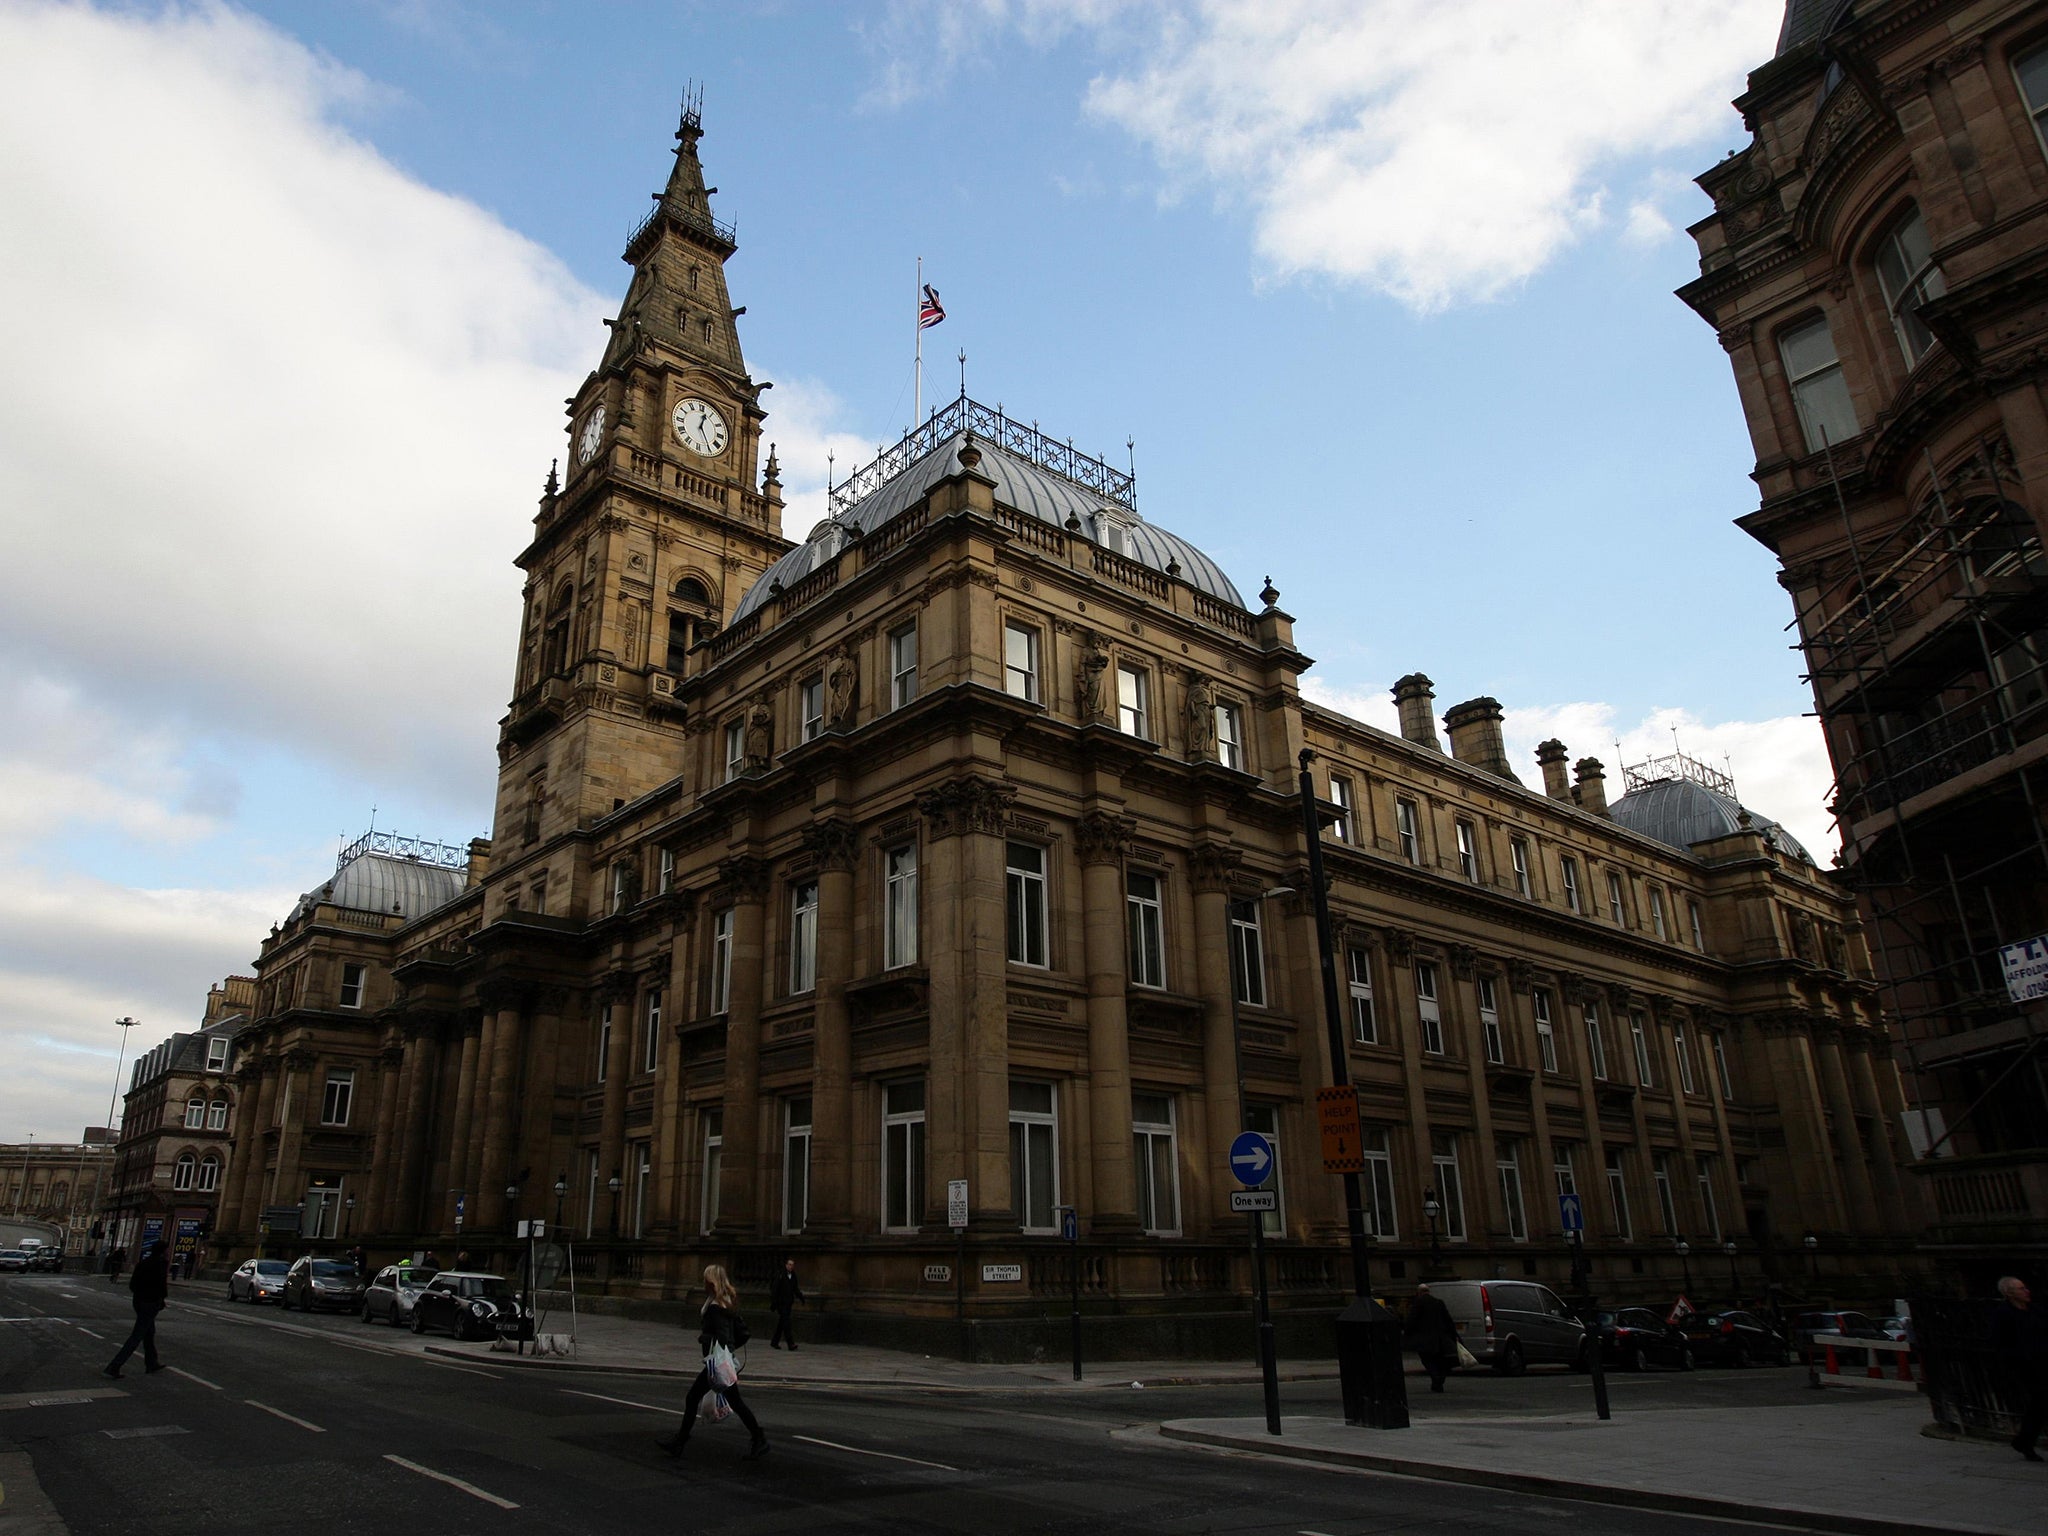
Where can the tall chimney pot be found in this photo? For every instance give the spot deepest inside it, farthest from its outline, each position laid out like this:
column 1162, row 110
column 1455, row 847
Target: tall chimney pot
column 1476, row 737
column 1551, row 757
column 1415, row 696
column 1591, row 789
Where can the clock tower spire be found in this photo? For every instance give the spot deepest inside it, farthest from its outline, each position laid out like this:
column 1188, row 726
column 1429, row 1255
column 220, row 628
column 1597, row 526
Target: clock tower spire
column 662, row 521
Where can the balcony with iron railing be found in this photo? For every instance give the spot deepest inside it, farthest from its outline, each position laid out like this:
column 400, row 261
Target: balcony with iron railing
column 1964, row 737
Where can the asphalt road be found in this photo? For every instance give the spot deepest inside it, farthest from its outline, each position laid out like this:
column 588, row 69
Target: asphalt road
column 268, row 1424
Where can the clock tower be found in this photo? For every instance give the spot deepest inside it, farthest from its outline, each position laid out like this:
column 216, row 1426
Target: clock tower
column 642, row 550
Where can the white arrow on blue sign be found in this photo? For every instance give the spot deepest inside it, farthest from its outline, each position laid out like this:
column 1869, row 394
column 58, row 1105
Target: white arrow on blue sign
column 1570, row 1214
column 1251, row 1159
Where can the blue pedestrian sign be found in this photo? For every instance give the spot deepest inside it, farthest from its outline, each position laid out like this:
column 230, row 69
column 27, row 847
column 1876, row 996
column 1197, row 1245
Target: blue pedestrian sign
column 1251, row 1159
column 1570, row 1214
column 1070, row 1224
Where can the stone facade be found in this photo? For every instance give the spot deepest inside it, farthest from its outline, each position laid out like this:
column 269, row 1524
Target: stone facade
column 1877, row 268
column 177, row 1130
column 50, row 1190
column 965, row 842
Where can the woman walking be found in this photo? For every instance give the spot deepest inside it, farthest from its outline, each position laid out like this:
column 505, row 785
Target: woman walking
column 721, row 1326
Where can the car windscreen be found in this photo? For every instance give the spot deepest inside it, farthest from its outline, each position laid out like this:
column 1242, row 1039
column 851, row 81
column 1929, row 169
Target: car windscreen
column 496, row 1290
column 414, row 1279
column 271, row 1266
column 334, row 1269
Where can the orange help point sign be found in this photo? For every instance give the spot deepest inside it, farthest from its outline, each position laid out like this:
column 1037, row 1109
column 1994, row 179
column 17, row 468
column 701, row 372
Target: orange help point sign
column 1343, row 1142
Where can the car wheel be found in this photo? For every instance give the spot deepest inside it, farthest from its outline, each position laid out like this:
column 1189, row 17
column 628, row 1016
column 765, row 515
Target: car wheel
column 1638, row 1359
column 396, row 1320
column 419, row 1323
column 1685, row 1360
column 1739, row 1357
column 366, row 1313
column 1509, row 1361
column 231, row 1292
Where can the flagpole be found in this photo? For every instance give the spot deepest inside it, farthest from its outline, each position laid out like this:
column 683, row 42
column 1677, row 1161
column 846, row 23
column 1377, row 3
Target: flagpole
column 917, row 319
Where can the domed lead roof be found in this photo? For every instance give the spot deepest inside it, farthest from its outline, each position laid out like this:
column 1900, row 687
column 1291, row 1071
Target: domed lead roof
column 1035, row 491
column 1679, row 813
column 374, row 882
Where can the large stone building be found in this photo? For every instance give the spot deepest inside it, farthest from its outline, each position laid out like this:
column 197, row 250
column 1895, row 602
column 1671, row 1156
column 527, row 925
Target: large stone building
column 962, row 842
column 49, row 1190
column 1877, row 268
column 177, row 1128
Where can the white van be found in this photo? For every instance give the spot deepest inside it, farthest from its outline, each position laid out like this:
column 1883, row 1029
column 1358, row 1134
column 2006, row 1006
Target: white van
column 1513, row 1324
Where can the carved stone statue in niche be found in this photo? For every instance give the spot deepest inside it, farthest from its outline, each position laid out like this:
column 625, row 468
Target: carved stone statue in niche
column 842, row 680
column 1089, row 666
column 760, row 724
column 1201, row 721
column 629, row 634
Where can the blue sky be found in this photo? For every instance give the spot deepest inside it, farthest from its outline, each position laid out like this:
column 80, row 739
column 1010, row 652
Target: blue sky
column 1381, row 289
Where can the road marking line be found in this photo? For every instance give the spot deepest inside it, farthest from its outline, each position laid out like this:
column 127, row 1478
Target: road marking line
column 452, row 1482
column 69, row 1295
column 627, row 1401
column 16, row 1319
column 88, row 1332
column 289, row 1418
column 885, row 1455
column 178, row 1370
column 143, row 1434
column 469, row 1370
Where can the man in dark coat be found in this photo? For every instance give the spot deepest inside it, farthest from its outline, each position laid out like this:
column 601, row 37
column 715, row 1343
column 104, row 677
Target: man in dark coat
column 2020, row 1330
column 1434, row 1336
column 783, row 1296
column 150, row 1286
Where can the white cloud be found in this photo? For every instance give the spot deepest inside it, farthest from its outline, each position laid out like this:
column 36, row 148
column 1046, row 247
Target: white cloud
column 1780, row 766
column 1441, row 151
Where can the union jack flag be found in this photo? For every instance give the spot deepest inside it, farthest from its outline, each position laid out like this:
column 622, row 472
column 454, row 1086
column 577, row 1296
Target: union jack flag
column 929, row 310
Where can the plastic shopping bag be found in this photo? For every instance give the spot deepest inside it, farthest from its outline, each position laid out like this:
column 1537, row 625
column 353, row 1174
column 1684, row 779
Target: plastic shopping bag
column 716, row 1409
column 720, row 1367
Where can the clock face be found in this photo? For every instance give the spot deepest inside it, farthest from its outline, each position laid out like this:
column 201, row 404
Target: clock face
column 699, row 426
column 593, row 433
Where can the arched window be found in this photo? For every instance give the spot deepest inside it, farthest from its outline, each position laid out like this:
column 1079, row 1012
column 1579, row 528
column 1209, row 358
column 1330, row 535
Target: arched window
column 689, row 607
column 1906, row 270
column 554, row 649
column 181, row 1176
column 209, row 1173
column 217, row 1115
column 195, row 1112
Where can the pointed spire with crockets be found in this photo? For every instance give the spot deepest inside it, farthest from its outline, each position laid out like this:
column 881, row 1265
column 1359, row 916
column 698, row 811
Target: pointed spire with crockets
column 685, row 203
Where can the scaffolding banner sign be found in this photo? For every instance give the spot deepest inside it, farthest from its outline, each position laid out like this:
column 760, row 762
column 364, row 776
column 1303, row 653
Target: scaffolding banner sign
column 2026, row 969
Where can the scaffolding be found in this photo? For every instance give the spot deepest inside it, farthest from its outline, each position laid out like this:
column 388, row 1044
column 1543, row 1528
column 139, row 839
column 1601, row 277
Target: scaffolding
column 1928, row 657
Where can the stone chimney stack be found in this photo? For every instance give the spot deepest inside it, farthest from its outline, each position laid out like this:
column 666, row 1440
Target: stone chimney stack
column 1591, row 789
column 1550, row 757
column 1476, row 737
column 1415, row 697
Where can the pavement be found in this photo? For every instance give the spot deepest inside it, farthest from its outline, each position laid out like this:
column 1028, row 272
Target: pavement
column 1851, row 1459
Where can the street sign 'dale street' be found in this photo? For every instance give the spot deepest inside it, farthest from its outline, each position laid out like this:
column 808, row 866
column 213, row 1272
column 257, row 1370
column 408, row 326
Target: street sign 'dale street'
column 1343, row 1141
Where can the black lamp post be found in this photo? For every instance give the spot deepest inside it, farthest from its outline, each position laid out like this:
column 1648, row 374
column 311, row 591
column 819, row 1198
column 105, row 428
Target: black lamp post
column 511, row 1209
column 561, row 1189
column 614, row 1184
column 1684, row 1251
column 1432, row 1210
column 1812, row 1246
column 348, row 1215
column 1734, row 1280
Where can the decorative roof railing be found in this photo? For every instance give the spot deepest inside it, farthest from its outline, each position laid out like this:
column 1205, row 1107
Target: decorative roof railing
column 693, row 218
column 992, row 426
column 1676, row 765
column 419, row 850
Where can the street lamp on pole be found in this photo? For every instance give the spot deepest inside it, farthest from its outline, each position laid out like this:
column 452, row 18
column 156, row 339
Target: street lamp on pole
column 1269, row 1369
column 1432, row 1210
column 1684, row 1251
column 561, row 1189
column 348, row 1215
column 1734, row 1280
column 511, row 1209
column 614, row 1183
column 1375, row 1392
column 112, row 1141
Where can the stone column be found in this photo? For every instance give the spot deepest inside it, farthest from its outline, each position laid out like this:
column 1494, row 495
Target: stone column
column 1213, row 869
column 746, row 881
column 534, row 1143
column 422, row 1070
column 968, row 1097
column 460, row 1141
column 1794, row 1082
column 1103, row 841
column 1848, row 1139
column 255, row 1108
column 1488, row 1212
column 287, row 1182
column 390, row 1061
column 498, row 1085
column 620, row 996
column 835, row 845
column 1568, row 1021
column 1395, row 982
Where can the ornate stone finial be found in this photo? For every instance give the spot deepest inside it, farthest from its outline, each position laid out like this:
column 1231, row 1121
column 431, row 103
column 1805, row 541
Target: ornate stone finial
column 969, row 455
column 554, row 484
column 1269, row 594
column 1172, row 566
column 771, row 477
column 1073, row 522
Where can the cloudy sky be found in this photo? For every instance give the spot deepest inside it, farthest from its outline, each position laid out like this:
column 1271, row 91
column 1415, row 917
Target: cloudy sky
column 290, row 297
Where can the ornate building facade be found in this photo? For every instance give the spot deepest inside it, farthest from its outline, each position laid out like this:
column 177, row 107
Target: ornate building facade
column 1877, row 266
column 177, row 1129
column 962, row 843
column 49, row 1190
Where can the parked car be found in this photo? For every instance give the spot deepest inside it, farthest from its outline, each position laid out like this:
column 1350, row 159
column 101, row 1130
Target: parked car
column 1856, row 1325
column 258, row 1280
column 14, row 1259
column 391, row 1295
column 47, row 1259
column 468, row 1304
column 1513, row 1324
column 1638, row 1337
column 1897, row 1327
column 1734, row 1338
column 314, row 1283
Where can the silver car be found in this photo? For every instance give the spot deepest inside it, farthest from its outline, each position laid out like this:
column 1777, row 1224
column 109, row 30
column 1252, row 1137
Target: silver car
column 258, row 1280
column 1513, row 1324
column 391, row 1295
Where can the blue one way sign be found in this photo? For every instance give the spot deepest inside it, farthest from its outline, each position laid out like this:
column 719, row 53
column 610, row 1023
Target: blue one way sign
column 1570, row 1214
column 1251, row 1159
